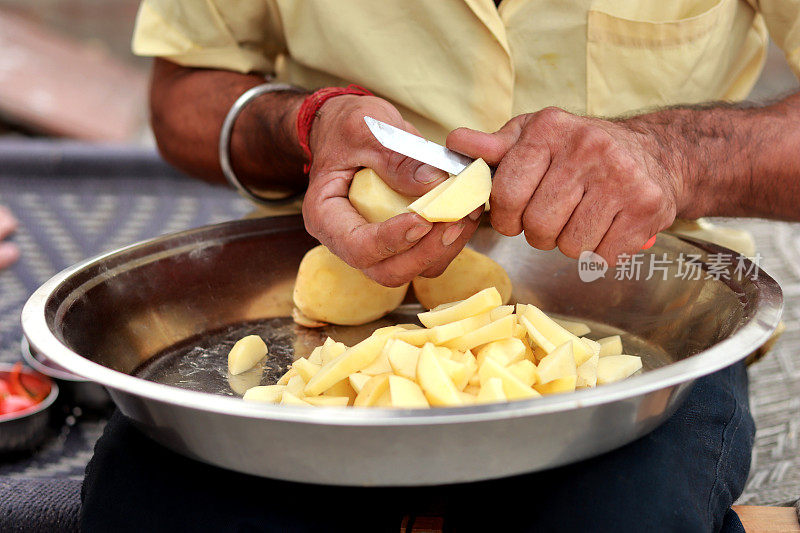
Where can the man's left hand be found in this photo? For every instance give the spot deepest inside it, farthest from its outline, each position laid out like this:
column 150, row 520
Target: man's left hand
column 577, row 183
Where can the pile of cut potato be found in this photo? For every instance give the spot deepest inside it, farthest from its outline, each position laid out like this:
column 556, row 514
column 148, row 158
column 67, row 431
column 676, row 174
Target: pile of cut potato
column 471, row 351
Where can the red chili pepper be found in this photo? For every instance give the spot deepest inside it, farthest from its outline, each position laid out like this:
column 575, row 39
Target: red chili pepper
column 14, row 383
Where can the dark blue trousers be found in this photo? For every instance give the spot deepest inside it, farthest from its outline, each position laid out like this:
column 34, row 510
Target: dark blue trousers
column 683, row 476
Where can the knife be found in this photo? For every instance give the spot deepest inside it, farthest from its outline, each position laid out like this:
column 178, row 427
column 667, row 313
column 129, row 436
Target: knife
column 429, row 152
column 416, row 147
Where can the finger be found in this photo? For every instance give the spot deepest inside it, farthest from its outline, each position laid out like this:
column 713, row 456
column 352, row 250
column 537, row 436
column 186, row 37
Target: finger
column 514, row 184
column 331, row 218
column 438, row 268
column 624, row 236
column 587, row 225
column 550, row 208
column 8, row 224
column 489, row 146
column 441, row 245
column 9, row 253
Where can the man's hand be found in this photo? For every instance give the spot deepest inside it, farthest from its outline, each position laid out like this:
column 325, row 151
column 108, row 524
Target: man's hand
column 395, row 251
column 576, row 183
column 9, row 252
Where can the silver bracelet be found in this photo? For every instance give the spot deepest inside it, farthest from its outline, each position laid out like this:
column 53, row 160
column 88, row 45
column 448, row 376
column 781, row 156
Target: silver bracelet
column 225, row 143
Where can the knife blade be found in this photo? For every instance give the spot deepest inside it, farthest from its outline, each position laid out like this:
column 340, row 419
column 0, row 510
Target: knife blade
column 416, row 147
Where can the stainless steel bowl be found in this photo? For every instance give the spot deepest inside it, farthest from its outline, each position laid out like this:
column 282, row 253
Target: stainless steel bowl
column 83, row 392
column 140, row 309
column 26, row 429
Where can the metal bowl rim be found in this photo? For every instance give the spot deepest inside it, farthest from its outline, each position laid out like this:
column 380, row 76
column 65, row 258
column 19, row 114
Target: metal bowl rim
column 765, row 314
column 39, row 407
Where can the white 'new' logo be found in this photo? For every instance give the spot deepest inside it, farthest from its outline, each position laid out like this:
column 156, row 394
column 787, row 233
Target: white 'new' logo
column 591, row 266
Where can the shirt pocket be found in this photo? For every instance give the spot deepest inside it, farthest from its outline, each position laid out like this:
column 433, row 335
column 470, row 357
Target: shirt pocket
column 633, row 63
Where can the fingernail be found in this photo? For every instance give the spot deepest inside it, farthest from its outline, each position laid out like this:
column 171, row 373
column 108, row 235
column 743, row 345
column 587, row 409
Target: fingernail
column 427, row 174
column 451, row 234
column 417, row 232
column 475, row 215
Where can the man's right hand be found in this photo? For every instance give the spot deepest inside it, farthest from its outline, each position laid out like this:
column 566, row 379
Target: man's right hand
column 9, row 252
column 393, row 252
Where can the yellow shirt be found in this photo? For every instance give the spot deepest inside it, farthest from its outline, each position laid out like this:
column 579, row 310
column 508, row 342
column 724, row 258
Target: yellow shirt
column 450, row 63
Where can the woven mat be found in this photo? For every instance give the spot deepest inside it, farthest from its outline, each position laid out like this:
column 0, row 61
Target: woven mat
column 75, row 202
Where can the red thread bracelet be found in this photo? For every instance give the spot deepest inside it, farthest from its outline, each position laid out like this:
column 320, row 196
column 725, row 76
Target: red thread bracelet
column 308, row 112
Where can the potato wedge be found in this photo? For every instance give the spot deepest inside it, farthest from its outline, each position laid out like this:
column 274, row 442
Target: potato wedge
column 478, row 303
column 513, row 387
column 264, row 393
column 492, row 391
column 246, row 352
column 458, row 196
column 372, row 391
column 613, row 368
column 610, row 345
column 403, row 359
column 558, row 364
column 406, row 394
column 497, row 330
column 557, row 386
column 434, row 381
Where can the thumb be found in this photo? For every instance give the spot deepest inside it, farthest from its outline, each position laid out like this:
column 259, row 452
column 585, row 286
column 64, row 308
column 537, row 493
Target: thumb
column 404, row 174
column 489, row 146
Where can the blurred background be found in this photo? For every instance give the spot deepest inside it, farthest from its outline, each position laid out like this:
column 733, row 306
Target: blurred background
column 66, row 70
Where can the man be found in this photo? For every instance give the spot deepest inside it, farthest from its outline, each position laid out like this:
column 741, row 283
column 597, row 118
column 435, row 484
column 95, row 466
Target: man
column 529, row 71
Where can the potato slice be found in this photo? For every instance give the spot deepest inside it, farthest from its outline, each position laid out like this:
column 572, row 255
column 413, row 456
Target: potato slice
column 305, row 368
column 546, row 325
column 290, row 399
column 358, row 380
column 513, row 387
column 525, row 371
column 381, row 364
column 557, row 386
column 246, row 353
column 587, row 373
column 329, row 290
column 284, row 379
column 327, row 401
column 406, row 394
column 453, row 201
column 558, row 364
column 446, row 332
column 403, row 358
column 504, row 351
column 374, row 199
column 372, row 391
column 415, row 337
column 536, row 336
column 497, row 330
column 342, row 388
column 385, row 400
column 579, row 329
column 475, row 389
column 492, row 391
column 434, row 381
column 316, row 356
column 296, row 386
column 613, row 368
column 459, row 372
column 478, row 303
column 467, row 274
column 264, row 393
column 350, row 361
column 610, row 345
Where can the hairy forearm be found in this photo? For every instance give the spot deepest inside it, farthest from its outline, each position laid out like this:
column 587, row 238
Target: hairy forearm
column 188, row 107
column 735, row 160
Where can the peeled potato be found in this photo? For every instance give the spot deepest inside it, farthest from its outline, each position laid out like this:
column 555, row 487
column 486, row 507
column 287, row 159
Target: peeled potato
column 329, row 290
column 375, row 200
column 469, row 273
column 457, row 196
